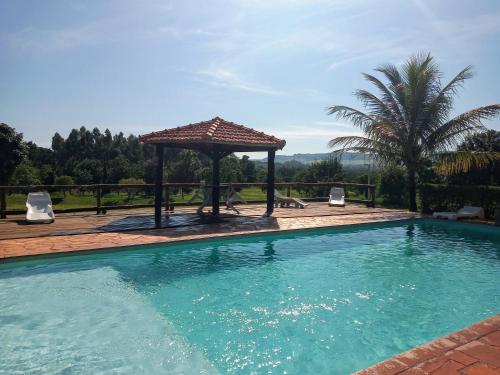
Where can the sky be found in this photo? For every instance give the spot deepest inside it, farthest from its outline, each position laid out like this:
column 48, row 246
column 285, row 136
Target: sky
column 273, row 65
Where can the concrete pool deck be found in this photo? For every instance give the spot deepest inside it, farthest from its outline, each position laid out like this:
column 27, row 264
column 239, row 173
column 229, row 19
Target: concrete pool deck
column 87, row 231
column 474, row 350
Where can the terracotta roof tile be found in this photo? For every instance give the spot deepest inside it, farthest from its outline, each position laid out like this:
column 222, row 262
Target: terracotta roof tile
column 214, row 131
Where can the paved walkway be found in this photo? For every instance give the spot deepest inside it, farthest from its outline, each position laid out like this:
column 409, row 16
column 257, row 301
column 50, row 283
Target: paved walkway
column 474, row 350
column 117, row 230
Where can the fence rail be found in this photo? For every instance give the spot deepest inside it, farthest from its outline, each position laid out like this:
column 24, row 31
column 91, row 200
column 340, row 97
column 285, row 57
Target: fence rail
column 99, row 191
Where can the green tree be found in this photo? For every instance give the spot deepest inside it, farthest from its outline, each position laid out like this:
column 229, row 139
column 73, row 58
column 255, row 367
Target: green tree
column 12, row 151
column 410, row 120
column 64, row 180
column 46, row 174
column 25, row 174
column 187, row 167
column 104, row 151
column 393, row 184
column 119, row 168
column 321, row 171
column 247, row 168
column 86, row 171
column 230, row 170
column 289, row 171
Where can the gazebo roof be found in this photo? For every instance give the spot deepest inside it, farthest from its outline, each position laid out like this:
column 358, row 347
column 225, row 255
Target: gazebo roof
column 215, row 133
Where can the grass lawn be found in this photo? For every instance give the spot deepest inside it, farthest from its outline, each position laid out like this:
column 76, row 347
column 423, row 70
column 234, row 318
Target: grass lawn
column 88, row 199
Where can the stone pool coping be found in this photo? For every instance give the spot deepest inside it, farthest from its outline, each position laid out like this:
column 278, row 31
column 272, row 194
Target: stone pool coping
column 474, row 350
column 51, row 245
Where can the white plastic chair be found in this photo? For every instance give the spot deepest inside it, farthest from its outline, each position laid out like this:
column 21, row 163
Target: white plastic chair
column 337, row 196
column 39, row 207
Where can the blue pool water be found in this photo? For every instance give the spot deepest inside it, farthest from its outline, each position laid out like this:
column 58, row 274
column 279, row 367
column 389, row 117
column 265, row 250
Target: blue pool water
column 317, row 302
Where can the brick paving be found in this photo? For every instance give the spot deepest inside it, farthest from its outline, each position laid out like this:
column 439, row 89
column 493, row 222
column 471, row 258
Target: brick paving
column 474, row 350
column 90, row 231
column 123, row 220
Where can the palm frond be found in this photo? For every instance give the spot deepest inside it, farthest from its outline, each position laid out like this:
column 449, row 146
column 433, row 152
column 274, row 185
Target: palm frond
column 454, row 131
column 464, row 161
column 387, row 131
column 421, row 75
column 396, row 86
column 457, row 81
column 351, row 141
column 353, row 115
column 391, row 72
column 366, row 145
column 388, row 97
column 440, row 106
column 377, row 108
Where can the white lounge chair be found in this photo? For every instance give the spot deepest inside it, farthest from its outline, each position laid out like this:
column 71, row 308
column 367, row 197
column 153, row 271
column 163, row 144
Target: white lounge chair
column 466, row 212
column 39, row 207
column 233, row 197
column 282, row 201
column 205, row 194
column 337, row 196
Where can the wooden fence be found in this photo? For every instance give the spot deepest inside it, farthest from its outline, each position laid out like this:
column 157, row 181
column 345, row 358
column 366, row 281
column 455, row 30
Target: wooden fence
column 100, row 190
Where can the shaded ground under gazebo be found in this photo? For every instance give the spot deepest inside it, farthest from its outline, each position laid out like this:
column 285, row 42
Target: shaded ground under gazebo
column 216, row 138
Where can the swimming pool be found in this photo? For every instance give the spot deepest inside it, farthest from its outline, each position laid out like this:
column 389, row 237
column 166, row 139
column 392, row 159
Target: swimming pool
column 313, row 302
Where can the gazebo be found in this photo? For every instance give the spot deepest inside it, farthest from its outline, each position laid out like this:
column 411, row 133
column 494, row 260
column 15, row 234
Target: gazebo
column 216, row 138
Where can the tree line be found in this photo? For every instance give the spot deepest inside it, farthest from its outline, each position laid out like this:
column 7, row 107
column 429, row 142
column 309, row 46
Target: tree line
column 91, row 157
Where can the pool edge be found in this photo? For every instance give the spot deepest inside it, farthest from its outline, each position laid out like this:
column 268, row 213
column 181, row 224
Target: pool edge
column 471, row 350
column 201, row 238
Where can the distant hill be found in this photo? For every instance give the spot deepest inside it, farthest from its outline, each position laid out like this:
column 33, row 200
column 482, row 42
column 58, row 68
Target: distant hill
column 348, row 159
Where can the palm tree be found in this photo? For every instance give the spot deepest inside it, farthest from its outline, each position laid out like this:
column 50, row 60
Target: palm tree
column 410, row 121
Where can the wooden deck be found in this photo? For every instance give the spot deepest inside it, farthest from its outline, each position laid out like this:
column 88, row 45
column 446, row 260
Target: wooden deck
column 87, row 231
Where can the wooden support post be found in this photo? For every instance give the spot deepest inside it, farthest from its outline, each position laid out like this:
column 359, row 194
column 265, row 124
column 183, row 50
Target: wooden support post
column 3, row 204
column 167, row 198
column 270, row 182
column 288, row 192
column 98, row 193
column 215, row 183
column 370, row 192
column 158, row 183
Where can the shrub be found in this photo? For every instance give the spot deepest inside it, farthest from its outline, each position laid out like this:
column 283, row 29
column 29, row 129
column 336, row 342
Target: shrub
column 394, row 185
column 64, row 180
column 440, row 197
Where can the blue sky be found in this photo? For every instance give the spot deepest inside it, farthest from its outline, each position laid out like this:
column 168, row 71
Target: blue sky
column 275, row 65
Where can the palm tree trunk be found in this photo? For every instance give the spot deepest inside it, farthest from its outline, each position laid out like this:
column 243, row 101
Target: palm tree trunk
column 412, row 189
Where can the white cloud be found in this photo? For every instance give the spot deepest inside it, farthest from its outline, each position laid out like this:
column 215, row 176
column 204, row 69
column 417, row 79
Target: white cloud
column 226, row 78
